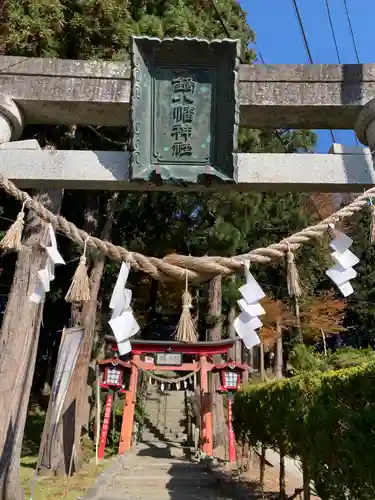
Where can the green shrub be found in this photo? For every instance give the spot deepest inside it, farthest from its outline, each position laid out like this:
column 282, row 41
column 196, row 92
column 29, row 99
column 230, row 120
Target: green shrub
column 340, row 433
column 325, row 419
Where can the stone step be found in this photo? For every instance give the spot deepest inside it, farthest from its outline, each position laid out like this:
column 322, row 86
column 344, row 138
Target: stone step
column 135, row 482
column 151, row 438
column 157, row 467
column 161, row 431
column 164, row 469
column 154, row 407
column 149, row 461
column 163, row 494
column 170, row 431
column 162, row 397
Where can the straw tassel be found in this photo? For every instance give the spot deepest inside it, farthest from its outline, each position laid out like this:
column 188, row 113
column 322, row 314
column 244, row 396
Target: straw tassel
column 372, row 227
column 13, row 237
column 293, row 279
column 186, row 331
column 79, row 290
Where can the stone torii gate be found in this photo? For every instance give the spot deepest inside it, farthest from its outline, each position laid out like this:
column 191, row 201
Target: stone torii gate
column 63, row 92
column 52, row 91
column 184, row 100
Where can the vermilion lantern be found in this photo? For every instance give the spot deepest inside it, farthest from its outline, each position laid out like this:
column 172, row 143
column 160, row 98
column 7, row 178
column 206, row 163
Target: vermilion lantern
column 230, row 375
column 113, row 376
column 112, row 380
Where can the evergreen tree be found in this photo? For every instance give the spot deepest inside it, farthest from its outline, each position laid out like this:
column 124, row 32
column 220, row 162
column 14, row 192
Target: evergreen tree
column 360, row 313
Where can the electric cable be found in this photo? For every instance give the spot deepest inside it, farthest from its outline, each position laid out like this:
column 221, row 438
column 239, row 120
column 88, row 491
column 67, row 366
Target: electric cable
column 261, row 58
column 306, row 44
column 333, row 31
column 351, row 31
column 226, row 30
column 354, row 45
column 220, row 17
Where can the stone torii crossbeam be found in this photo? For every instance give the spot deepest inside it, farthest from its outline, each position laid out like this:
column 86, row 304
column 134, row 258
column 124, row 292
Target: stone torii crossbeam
column 52, row 91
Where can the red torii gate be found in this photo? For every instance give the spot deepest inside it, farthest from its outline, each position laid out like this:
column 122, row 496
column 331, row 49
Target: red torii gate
column 201, row 351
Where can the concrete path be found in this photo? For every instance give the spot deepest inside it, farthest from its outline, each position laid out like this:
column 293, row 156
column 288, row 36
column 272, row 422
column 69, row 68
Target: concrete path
column 151, row 473
column 292, row 467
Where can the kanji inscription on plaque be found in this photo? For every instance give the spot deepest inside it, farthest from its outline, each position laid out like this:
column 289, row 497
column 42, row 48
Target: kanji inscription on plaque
column 184, row 109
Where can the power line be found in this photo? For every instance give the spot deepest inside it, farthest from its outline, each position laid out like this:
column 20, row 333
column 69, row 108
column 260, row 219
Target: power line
column 351, row 31
column 355, row 48
column 307, row 48
column 222, row 22
column 303, row 33
column 220, row 17
column 333, row 31
column 261, row 58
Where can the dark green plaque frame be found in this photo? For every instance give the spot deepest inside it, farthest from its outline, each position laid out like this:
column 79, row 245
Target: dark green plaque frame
column 184, row 110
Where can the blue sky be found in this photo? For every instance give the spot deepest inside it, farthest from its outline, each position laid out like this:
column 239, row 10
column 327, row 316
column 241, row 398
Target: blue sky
column 280, row 42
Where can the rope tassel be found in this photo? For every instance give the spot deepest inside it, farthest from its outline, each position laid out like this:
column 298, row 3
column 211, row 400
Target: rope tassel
column 13, row 237
column 79, row 290
column 293, row 279
column 186, row 331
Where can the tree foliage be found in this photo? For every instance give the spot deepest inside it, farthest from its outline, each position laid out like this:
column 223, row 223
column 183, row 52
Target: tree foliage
column 360, row 312
column 87, row 29
column 325, row 420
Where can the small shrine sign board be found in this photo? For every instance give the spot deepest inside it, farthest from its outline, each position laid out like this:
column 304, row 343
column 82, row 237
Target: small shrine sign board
column 168, row 358
column 184, row 110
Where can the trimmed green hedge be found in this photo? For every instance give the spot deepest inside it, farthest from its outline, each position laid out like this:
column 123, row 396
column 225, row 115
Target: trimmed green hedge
column 327, row 420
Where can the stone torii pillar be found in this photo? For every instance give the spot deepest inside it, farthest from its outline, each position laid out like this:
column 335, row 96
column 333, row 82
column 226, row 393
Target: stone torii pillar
column 365, row 125
column 11, row 120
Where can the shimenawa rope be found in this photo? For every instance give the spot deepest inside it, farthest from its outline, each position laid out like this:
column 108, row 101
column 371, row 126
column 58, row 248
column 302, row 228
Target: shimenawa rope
column 173, row 266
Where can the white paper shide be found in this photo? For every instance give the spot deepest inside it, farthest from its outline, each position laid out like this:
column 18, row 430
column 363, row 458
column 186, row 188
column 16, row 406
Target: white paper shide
column 248, row 321
column 342, row 272
column 123, row 323
column 47, row 274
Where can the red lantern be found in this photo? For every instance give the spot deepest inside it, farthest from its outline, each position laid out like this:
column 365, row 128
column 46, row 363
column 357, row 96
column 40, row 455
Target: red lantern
column 230, row 375
column 113, row 376
column 230, row 379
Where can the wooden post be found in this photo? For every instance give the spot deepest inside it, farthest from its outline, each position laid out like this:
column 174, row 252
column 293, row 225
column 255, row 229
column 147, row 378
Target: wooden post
column 206, row 410
column 231, row 438
column 129, row 407
column 105, row 426
column 97, row 437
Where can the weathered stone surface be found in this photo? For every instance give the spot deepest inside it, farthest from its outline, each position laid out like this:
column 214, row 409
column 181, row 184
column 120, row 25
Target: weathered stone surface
column 110, row 170
column 151, row 475
column 98, row 92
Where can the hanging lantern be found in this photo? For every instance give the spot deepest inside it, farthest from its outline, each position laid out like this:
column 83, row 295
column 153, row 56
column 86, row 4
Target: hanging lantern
column 230, row 376
column 113, row 376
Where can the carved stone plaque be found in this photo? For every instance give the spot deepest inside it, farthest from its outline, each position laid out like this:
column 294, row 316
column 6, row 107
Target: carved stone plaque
column 184, row 109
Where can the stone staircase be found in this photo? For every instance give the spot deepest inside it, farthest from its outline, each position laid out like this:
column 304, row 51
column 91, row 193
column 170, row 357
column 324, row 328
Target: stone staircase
column 165, row 417
column 150, row 473
column 157, row 467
